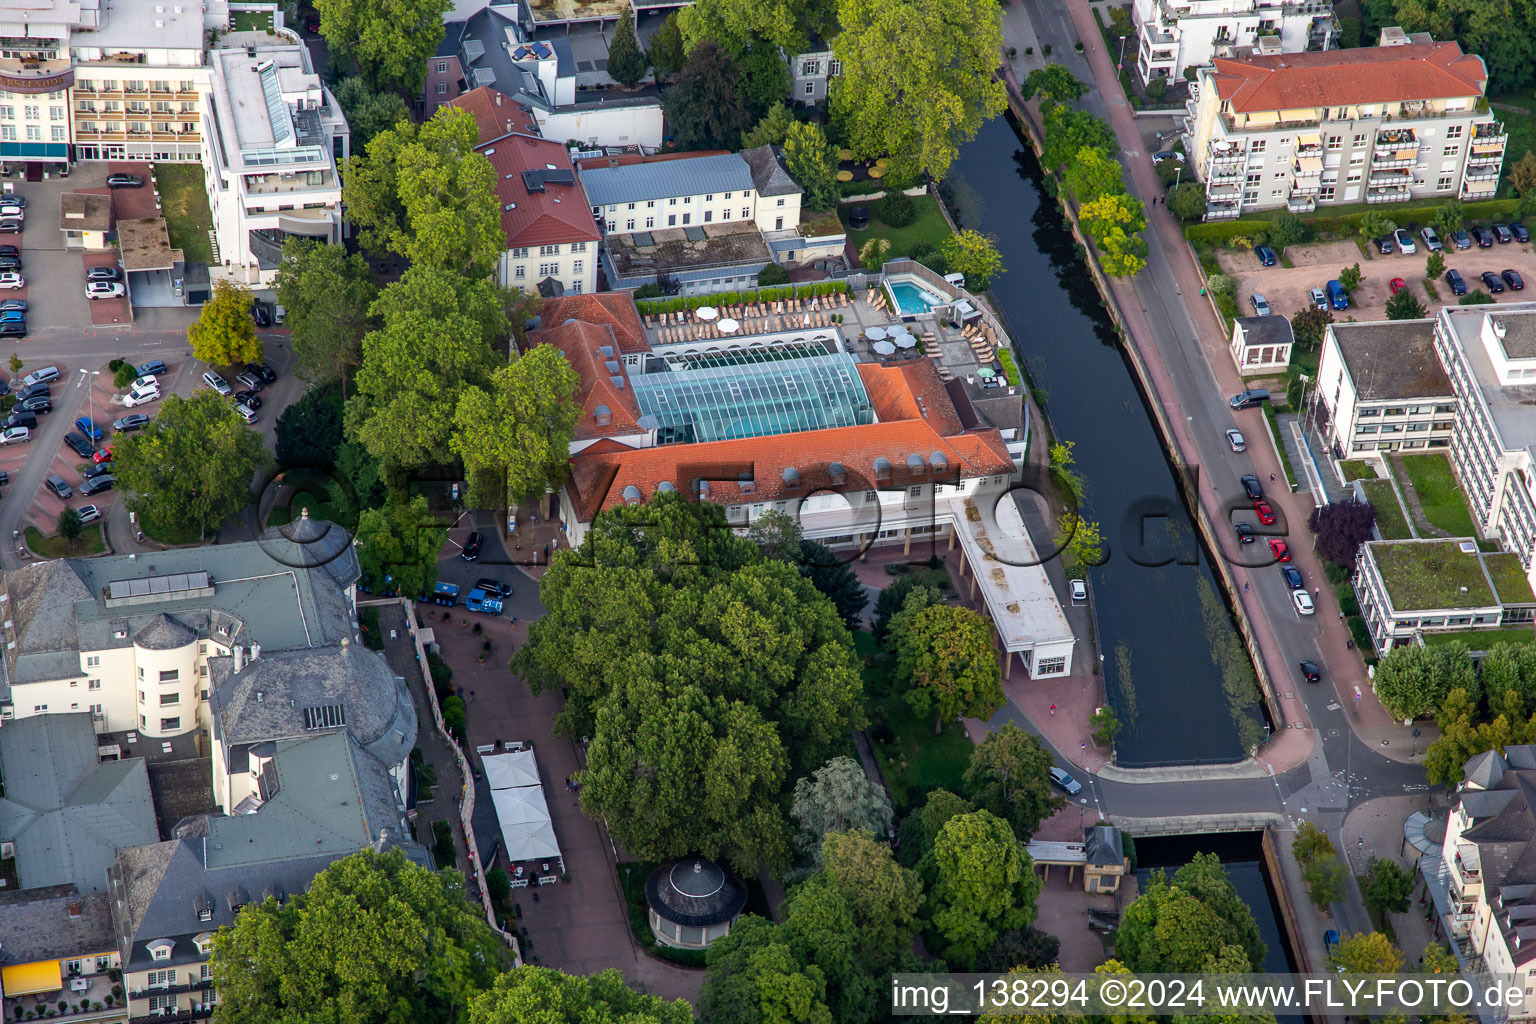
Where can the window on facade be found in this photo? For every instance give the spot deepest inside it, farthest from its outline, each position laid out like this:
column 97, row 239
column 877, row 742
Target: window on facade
column 1353, row 176
column 810, row 88
column 687, row 217
column 709, row 198
column 629, row 225
column 521, row 253
column 576, row 266
column 548, row 269
column 746, row 211
column 58, row 133
column 1454, row 131
column 1335, row 141
column 650, row 222
column 92, row 660
column 95, row 709
column 442, row 67
column 170, row 675
column 809, row 67
column 55, row 113
column 709, row 215
column 442, row 88
column 170, row 724
column 779, row 203
column 520, row 272
column 167, row 699
column 1444, row 182
column 834, row 68
column 1050, row 666
column 8, row 132
column 33, row 113
column 1450, row 151
column 582, row 246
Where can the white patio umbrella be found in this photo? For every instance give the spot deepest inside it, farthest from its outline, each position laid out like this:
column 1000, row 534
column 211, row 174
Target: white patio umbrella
column 707, row 312
column 884, row 348
column 729, row 326
column 875, row 334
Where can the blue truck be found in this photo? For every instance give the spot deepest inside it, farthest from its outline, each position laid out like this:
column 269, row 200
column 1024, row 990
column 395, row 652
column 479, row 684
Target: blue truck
column 480, row 601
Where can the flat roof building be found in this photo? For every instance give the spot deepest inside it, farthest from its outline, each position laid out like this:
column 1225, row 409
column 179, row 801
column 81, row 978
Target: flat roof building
column 1380, row 387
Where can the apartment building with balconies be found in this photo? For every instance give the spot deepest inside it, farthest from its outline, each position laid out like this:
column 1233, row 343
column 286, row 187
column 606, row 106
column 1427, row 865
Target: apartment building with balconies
column 1175, row 35
column 1406, row 120
column 1380, row 387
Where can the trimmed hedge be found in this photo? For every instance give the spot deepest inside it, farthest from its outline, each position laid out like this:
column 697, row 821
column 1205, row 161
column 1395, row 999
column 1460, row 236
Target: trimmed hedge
column 1010, row 371
column 1224, row 230
column 1331, row 223
column 802, row 291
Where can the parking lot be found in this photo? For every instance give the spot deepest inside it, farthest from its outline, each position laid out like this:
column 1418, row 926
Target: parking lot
column 1287, row 288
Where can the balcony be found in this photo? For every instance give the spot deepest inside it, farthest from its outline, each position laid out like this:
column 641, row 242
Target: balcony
column 1397, row 138
column 1391, row 177
column 1225, row 191
column 1390, row 194
column 1489, row 130
column 1223, row 211
column 1307, row 167
column 1482, row 172
column 1216, row 174
column 168, row 1018
column 1478, row 189
column 1306, row 188
column 83, row 992
column 1384, row 158
column 1226, row 152
column 1300, row 203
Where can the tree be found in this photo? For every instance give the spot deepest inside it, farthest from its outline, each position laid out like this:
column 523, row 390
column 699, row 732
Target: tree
column 551, row 997
column 375, row 937
column 1412, row 681
column 765, row 78
column 1287, row 229
column 1010, row 775
column 224, row 333
column 922, row 108
column 946, row 661
column 934, row 582
column 771, row 129
column 1404, row 306
column 1341, row 527
column 704, row 107
column 368, row 112
column 514, row 435
column 398, row 545
column 1326, row 879
column 626, row 64
column 1521, row 175
column 874, row 252
column 883, row 897
column 309, row 430
column 975, row 255
column 1450, row 217
column 1092, row 174
column 191, row 467
column 832, row 576
column 1067, row 131
column 982, row 884
column 838, row 797
column 1186, row 201
column 1112, row 221
column 326, row 292
column 919, row 828
column 1054, row 83
column 1507, row 667
column 755, row 976
column 812, row 162
column 1308, row 326
column 776, row 535
column 70, row 525
column 1181, row 924
column 667, row 54
column 1366, row 953
column 1019, row 947
column 1387, row 888
column 1476, row 297
column 422, row 191
column 1350, row 278
column 1376, row 225
column 390, row 40
column 1434, row 266
column 1310, row 843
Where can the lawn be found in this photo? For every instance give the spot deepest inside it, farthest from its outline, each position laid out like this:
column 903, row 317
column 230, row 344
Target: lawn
column 1482, row 639
column 930, row 228
column 169, row 535
column 1508, row 576
column 1389, row 512
column 1427, row 575
column 89, row 543
column 1514, row 110
column 1440, row 494
column 1358, row 469
column 915, row 759
column 184, row 201
column 320, row 495
column 250, row 21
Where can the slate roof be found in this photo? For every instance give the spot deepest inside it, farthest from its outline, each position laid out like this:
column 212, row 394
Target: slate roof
column 164, row 633
column 67, row 812
column 697, row 176
column 1103, row 847
column 54, row 923
column 1266, row 330
column 1500, row 800
column 769, row 175
column 1341, row 78
column 695, row 892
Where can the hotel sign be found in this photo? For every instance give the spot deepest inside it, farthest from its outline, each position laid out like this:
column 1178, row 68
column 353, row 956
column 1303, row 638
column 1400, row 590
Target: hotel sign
column 47, row 83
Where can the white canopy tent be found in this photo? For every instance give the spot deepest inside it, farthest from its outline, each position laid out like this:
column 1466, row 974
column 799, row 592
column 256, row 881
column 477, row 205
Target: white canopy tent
column 521, row 809
column 505, row 771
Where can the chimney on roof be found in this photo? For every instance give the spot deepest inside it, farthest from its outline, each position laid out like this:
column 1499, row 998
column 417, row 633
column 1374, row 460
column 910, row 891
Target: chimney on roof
column 1392, row 35
column 74, row 910
column 239, row 653
column 345, row 643
column 498, row 99
column 382, row 843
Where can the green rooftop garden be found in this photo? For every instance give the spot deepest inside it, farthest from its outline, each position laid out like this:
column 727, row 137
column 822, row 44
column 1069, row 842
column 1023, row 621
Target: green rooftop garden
column 1440, row 494
column 1482, row 639
column 1509, row 578
column 1389, row 511
column 1424, row 575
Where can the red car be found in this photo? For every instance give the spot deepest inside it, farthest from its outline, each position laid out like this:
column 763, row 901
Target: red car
column 1278, row 548
column 102, row 455
column 1266, row 514
column 1398, row 284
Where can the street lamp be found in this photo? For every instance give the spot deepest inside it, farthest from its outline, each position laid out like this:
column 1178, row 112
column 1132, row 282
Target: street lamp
column 1120, row 61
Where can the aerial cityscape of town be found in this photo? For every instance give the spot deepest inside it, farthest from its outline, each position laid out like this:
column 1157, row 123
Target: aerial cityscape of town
column 670, row 511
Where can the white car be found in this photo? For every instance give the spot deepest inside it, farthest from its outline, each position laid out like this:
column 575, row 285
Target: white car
column 11, row 279
column 144, row 383
column 15, row 435
column 1079, row 592
column 1303, row 602
column 141, row 396
column 89, row 513
column 104, row 290
column 9, row 210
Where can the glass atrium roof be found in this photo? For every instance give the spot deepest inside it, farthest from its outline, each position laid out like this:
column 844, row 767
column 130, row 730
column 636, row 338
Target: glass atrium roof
column 731, row 394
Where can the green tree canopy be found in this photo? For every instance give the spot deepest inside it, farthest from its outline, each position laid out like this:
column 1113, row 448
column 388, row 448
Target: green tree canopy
column 224, row 333
column 514, row 435
column 389, row 40
column 771, row 129
column 326, row 292
column 1009, row 775
column 1387, row 887
column 975, row 255
column 309, row 430
column 946, row 659
column 838, row 797
column 883, row 897
column 737, row 25
column 1413, row 681
column 919, row 828
column 1069, row 131
column 1405, row 306
column 917, row 79
column 765, row 78
column 398, row 545
column 982, row 884
column 704, row 106
column 1375, row 224
column 1502, row 32
column 1091, row 174
column 626, row 64
column 1052, row 82
column 832, row 576
column 192, row 466
column 539, row 994
column 755, row 978
column 1186, row 201
column 70, row 525
column 1367, row 953
column 375, row 939
column 667, row 54
column 368, row 112
column 812, row 161
column 1186, row 922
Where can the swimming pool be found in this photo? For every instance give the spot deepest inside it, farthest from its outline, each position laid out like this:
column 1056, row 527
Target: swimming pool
column 911, row 299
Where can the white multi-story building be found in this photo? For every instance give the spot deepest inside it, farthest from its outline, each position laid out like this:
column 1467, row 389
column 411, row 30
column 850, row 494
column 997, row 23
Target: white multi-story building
column 1380, row 387
column 1404, row 120
column 1173, row 35
column 119, row 81
column 273, row 139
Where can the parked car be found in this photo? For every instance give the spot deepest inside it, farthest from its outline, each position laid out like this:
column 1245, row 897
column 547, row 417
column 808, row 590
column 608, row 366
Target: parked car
column 42, row 375
column 1431, row 239
column 153, row 368
column 80, row 444
column 1513, row 279
column 1518, row 230
column 1397, row 284
column 145, row 382
column 13, row 329
column 88, row 513
column 1502, row 234
column 262, row 370
column 1454, row 279
column 14, row 316
column 1337, row 296
column 1384, row 246
column 1405, row 242
column 1264, row 512
column 133, row 421
column 1292, row 577
column 1279, row 549
column 1164, row 154
column 217, row 383
column 1066, row 783
column 1244, row 532
column 1310, row 672
column 1303, row 602
column 97, row 469
column 105, row 455
column 124, row 181
column 103, row 274
column 1252, row 487
column 249, row 398
column 30, row 391
column 10, row 262
column 1265, row 254
column 13, row 199
column 141, row 396
column 250, row 381
column 10, row 211
column 39, row 405
column 1079, row 590
column 9, row 250
column 20, row 418
column 1461, row 238
column 56, row 484
column 496, row 588
column 13, row 305
column 15, row 435
column 104, row 290
column 10, row 226
column 1235, row 441
column 88, row 428
column 1249, row 398
column 261, row 314
column 245, row 412
column 1319, row 300
column 1260, row 304
column 1493, row 282
column 11, row 279
column 98, row 484
column 472, row 547
column 1482, row 236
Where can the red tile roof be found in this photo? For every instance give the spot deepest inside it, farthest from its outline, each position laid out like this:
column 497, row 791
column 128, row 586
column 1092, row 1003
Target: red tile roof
column 495, row 113
column 910, row 391
column 612, row 309
column 559, row 214
column 580, row 343
column 1336, row 78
